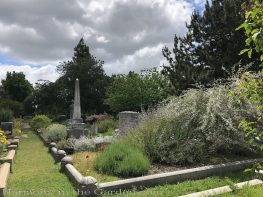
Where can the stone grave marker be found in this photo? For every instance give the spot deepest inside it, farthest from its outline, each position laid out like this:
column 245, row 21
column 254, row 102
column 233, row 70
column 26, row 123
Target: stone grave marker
column 7, row 127
column 127, row 119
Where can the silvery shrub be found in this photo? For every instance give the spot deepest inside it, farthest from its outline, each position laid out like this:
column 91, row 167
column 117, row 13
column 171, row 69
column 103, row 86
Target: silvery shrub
column 195, row 126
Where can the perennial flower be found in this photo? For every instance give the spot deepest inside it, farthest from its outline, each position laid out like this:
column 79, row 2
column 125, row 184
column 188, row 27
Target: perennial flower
column 3, row 139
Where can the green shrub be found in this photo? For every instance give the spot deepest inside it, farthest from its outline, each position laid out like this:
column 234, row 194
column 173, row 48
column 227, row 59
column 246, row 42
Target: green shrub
column 40, row 121
column 66, row 143
column 6, row 115
column 122, row 160
column 15, row 106
column 190, row 128
column 3, row 141
column 1, row 148
column 55, row 133
column 18, row 124
column 106, row 125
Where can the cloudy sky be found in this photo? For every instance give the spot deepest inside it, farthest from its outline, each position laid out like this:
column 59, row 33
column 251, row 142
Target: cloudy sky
column 35, row 35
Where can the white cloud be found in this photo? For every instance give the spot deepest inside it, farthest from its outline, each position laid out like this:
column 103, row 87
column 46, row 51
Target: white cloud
column 144, row 58
column 102, row 39
column 123, row 33
column 33, row 74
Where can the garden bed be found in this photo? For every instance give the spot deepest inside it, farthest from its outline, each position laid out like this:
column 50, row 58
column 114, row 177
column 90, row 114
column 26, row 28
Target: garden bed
column 84, row 163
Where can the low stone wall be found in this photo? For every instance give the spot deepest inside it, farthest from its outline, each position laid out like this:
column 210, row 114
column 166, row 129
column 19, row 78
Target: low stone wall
column 177, row 176
column 88, row 186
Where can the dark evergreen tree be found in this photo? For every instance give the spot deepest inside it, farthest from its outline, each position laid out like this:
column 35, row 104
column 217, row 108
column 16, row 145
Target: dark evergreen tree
column 210, row 49
column 91, row 75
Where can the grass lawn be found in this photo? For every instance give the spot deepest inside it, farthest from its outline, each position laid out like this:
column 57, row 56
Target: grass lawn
column 34, row 172
column 187, row 187
column 83, row 161
column 256, row 191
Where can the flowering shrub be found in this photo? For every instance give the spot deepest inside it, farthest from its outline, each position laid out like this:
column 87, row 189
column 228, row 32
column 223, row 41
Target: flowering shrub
column 91, row 144
column 3, row 141
column 103, row 139
column 194, row 126
column 55, row 132
column 84, row 144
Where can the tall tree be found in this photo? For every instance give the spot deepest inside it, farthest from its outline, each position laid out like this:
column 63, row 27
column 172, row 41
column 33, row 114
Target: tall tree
column 91, row 75
column 16, row 87
column 48, row 98
column 135, row 91
column 210, row 49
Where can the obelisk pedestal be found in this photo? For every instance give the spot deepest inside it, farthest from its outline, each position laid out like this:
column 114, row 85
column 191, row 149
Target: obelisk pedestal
column 76, row 127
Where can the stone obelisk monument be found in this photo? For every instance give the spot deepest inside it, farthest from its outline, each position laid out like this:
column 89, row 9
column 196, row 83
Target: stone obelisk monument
column 76, row 108
column 76, row 126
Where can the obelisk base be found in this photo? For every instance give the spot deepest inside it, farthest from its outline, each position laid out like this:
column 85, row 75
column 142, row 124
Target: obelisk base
column 76, row 130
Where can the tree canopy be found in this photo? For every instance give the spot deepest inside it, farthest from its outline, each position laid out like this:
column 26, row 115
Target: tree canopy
column 136, row 91
column 93, row 80
column 16, row 87
column 210, row 49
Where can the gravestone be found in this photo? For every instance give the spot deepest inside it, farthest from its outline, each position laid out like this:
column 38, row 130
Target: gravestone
column 27, row 118
column 7, row 127
column 94, row 129
column 127, row 119
column 76, row 127
column 61, row 118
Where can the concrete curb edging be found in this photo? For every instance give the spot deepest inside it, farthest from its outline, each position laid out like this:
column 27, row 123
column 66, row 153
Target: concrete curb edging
column 88, row 186
column 225, row 189
column 177, row 176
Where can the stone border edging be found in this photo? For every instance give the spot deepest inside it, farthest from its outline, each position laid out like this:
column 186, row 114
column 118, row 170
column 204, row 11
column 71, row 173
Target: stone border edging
column 177, row 176
column 88, row 186
column 224, row 189
column 4, row 174
column 6, row 166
